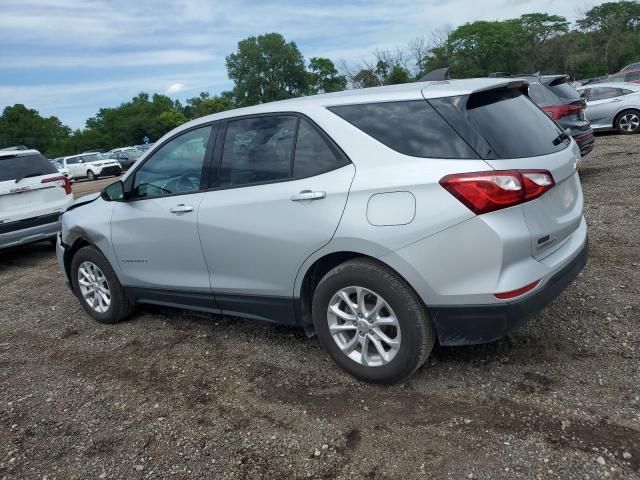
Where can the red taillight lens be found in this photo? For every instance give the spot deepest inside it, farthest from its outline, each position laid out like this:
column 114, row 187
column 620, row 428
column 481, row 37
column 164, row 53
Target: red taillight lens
column 518, row 292
column 483, row 192
column 558, row 111
column 62, row 182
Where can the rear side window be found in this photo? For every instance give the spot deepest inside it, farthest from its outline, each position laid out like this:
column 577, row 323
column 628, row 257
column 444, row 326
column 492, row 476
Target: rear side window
column 542, row 95
column 513, row 125
column 17, row 167
column 632, row 77
column 604, row 93
column 411, row 127
column 257, row 150
column 313, row 154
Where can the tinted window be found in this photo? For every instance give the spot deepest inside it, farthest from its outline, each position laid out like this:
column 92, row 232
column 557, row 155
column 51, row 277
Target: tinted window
column 565, row 91
column 176, row 167
column 258, row 149
column 632, row 77
column 626, row 92
column 616, row 78
column 313, row 154
column 412, row 128
column 542, row 95
column 512, row 124
column 602, row 93
column 13, row 168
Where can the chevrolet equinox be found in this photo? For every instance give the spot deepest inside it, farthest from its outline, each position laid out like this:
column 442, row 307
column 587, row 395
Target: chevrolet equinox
column 383, row 219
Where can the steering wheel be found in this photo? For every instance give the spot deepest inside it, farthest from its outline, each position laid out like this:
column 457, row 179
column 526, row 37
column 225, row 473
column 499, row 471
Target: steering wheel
column 187, row 182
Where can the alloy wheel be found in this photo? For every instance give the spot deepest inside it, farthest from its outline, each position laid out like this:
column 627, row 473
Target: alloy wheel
column 94, row 287
column 364, row 326
column 629, row 122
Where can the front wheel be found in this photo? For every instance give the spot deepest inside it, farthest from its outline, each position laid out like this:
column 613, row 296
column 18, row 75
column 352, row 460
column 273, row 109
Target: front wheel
column 371, row 322
column 91, row 176
column 628, row 122
column 97, row 287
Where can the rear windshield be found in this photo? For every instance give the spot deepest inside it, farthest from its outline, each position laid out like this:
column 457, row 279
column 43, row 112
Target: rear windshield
column 18, row 167
column 565, row 91
column 513, row 125
column 411, row 127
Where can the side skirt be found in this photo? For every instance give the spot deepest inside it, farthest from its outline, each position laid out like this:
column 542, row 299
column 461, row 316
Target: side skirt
column 255, row 307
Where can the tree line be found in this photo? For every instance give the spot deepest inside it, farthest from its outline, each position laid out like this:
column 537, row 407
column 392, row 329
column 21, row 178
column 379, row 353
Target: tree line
column 266, row 68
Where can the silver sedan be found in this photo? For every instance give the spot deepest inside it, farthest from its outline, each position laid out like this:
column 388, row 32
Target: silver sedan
column 613, row 106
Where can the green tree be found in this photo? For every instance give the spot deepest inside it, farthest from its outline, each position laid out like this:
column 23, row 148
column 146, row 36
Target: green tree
column 20, row 125
column 324, row 77
column 266, row 68
column 204, row 104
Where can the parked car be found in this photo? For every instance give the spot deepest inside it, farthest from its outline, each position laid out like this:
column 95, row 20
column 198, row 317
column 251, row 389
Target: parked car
column 59, row 164
column 629, row 76
column 613, row 106
column 33, row 195
column 91, row 166
column 631, row 66
column 383, row 219
column 555, row 95
column 126, row 156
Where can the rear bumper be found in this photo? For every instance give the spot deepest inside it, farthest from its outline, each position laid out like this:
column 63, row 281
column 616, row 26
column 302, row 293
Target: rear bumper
column 473, row 324
column 28, row 231
column 585, row 141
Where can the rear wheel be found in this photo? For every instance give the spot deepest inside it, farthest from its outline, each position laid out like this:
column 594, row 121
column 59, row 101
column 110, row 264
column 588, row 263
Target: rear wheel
column 91, row 176
column 628, row 122
column 371, row 322
column 97, row 287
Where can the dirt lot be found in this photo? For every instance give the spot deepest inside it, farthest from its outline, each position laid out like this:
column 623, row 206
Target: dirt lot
column 172, row 394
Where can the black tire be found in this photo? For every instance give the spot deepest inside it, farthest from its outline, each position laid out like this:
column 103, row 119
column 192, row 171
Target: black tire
column 627, row 114
column 417, row 332
column 120, row 307
column 91, row 176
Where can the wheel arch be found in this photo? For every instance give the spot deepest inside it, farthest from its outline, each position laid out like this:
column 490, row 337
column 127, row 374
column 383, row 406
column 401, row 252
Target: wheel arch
column 319, row 265
column 617, row 116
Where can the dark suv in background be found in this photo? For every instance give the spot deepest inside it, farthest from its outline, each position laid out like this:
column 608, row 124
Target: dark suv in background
column 563, row 103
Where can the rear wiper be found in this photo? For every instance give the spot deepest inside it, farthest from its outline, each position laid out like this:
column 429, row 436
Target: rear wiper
column 560, row 138
column 35, row 174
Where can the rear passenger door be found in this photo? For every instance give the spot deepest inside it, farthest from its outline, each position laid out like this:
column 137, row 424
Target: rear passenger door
column 279, row 196
column 603, row 104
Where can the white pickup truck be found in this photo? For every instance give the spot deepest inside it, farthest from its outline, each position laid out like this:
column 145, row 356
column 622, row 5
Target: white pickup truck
column 33, row 195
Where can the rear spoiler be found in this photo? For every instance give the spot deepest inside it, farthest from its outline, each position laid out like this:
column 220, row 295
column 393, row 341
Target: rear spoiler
column 553, row 80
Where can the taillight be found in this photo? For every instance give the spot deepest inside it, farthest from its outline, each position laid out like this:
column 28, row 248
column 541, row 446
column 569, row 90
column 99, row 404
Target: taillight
column 62, row 182
column 483, row 192
column 558, row 111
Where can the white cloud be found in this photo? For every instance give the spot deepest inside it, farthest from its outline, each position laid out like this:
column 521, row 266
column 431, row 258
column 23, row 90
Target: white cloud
column 175, row 88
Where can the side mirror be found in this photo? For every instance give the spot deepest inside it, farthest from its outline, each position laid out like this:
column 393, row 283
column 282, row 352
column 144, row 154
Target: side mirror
column 113, row 192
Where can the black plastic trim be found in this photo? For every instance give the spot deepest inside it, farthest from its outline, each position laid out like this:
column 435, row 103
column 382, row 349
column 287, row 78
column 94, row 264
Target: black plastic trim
column 474, row 324
column 256, row 307
column 29, row 223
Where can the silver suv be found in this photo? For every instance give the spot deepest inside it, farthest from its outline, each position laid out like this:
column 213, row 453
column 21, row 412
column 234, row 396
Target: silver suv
column 383, row 219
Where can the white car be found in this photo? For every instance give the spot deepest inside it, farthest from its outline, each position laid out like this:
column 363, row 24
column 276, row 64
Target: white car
column 91, row 166
column 33, row 196
column 59, row 164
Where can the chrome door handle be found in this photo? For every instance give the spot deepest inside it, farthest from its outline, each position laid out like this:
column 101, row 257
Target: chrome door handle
column 616, row 100
column 308, row 195
column 181, row 208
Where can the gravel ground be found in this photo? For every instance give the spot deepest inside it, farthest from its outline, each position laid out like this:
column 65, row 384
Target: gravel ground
column 172, row 394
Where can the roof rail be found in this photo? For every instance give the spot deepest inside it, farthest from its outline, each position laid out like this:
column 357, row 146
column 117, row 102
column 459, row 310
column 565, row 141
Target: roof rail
column 507, row 74
column 436, row 75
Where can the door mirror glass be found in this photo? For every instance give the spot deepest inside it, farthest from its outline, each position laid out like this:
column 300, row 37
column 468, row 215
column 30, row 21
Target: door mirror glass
column 113, row 192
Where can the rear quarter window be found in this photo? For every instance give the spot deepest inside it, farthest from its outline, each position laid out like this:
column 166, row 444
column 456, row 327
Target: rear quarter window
column 409, row 127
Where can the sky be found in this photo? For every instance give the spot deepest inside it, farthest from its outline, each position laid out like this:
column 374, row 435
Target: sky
column 69, row 58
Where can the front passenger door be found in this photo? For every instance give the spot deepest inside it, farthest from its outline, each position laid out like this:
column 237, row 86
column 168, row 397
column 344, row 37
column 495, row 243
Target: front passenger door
column 155, row 230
